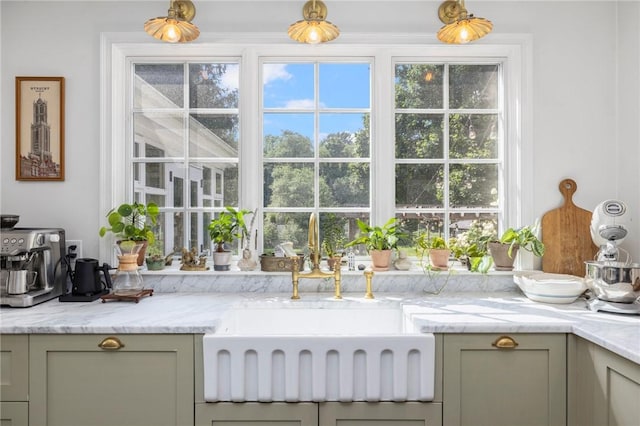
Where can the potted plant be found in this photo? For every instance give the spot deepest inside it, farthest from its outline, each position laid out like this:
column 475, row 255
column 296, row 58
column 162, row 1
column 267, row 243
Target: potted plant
column 506, row 248
column 155, row 259
column 224, row 229
column 436, row 248
column 379, row 242
column 133, row 222
column 333, row 237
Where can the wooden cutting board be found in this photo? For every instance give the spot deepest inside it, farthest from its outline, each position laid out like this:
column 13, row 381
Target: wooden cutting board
column 566, row 235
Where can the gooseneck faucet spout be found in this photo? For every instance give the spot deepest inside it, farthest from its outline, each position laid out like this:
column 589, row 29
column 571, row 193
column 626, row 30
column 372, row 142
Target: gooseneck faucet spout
column 314, row 254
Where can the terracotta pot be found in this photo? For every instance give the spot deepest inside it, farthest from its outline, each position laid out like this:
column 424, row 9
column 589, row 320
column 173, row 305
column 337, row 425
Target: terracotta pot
column 439, row 258
column 500, row 254
column 380, row 260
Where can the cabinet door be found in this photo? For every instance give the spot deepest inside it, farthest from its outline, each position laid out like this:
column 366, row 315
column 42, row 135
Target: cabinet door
column 380, row 414
column 604, row 387
column 14, row 414
column 14, row 367
column 144, row 380
column 520, row 385
column 257, row 414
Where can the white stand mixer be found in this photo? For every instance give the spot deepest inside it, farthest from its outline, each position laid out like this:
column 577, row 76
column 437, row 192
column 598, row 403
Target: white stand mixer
column 613, row 280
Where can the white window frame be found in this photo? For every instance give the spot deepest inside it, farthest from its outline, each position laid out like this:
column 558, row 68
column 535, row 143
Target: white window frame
column 513, row 51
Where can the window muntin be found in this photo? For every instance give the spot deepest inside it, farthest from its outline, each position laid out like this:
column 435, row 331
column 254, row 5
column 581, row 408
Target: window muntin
column 448, row 164
column 316, row 140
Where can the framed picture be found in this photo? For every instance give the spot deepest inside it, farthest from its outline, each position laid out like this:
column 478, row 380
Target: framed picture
column 40, row 128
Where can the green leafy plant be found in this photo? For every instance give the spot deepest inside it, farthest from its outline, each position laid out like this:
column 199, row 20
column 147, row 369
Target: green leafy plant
column 427, row 242
column 132, row 222
column 333, row 234
column 383, row 237
column 229, row 225
column 524, row 237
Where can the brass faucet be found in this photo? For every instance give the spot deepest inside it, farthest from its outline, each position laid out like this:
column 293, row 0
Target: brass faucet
column 314, row 249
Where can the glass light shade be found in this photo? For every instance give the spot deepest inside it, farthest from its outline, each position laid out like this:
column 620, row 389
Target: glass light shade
column 465, row 30
column 171, row 29
column 313, row 31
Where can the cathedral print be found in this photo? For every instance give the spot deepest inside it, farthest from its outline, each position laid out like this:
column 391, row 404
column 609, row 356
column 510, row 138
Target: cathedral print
column 40, row 128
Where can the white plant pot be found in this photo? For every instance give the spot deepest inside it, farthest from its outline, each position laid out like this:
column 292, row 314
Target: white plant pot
column 221, row 260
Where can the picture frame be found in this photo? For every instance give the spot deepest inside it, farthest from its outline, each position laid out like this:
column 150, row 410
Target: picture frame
column 40, row 128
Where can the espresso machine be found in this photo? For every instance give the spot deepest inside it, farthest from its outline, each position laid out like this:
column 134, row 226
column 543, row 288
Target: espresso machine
column 613, row 279
column 32, row 269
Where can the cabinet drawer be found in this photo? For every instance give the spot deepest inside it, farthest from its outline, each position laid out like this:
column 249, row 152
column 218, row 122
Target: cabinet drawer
column 14, row 367
column 130, row 380
column 492, row 380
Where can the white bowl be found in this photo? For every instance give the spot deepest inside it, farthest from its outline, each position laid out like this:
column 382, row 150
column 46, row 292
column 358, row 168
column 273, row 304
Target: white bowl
column 550, row 288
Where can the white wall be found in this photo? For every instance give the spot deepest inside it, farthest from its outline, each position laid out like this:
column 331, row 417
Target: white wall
column 586, row 68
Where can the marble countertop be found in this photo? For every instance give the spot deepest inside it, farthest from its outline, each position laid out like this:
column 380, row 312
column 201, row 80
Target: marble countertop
column 461, row 312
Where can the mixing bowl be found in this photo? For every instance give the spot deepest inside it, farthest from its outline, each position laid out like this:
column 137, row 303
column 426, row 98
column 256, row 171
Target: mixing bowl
column 614, row 281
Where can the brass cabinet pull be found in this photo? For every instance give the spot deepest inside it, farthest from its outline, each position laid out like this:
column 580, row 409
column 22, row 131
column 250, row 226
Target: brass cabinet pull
column 111, row 344
column 505, row 342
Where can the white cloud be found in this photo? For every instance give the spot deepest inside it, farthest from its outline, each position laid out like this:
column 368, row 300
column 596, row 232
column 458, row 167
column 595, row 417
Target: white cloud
column 231, row 78
column 273, row 72
column 300, row 104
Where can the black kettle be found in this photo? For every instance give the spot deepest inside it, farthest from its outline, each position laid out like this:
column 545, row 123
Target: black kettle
column 86, row 278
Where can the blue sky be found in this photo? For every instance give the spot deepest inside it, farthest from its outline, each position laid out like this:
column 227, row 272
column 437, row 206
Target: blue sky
column 291, row 86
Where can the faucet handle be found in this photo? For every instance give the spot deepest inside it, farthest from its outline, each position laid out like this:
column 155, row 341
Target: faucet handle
column 368, row 275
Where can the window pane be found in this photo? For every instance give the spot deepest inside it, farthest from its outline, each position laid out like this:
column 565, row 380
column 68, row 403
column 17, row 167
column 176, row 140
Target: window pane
column 413, row 224
column 419, row 136
column 344, row 85
column 281, row 227
column 344, row 135
column 465, row 226
column 213, row 136
column 288, row 135
column 288, row 185
column 214, row 85
column 158, row 86
column 164, row 131
column 288, row 86
column 154, row 175
column 473, row 136
column 419, row 86
column 419, row 185
column 344, row 185
column 473, row 86
column 473, row 185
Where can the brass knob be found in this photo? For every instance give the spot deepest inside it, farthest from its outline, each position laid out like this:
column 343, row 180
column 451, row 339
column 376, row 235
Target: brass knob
column 505, row 342
column 111, row 344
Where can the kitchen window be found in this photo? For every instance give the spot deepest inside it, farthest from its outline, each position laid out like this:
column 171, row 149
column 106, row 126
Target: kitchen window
column 433, row 136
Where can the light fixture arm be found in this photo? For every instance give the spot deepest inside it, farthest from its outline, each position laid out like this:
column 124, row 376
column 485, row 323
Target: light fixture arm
column 451, row 11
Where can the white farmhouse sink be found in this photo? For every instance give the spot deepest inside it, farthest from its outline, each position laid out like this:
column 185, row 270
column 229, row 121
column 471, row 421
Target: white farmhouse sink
column 306, row 354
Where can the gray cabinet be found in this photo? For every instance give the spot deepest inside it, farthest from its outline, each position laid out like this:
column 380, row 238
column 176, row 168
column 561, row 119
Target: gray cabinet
column 14, row 367
column 496, row 380
column 256, row 414
column 106, row 380
column 14, row 380
column 380, row 414
column 604, row 388
column 322, row 414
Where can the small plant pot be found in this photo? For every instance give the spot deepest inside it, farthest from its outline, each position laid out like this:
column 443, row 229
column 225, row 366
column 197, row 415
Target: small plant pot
column 155, row 264
column 380, row 260
column 439, row 258
column 500, row 254
column 221, row 260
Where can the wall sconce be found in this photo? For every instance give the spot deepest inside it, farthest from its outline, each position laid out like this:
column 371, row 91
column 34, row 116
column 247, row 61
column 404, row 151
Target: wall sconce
column 176, row 27
column 460, row 26
column 314, row 28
